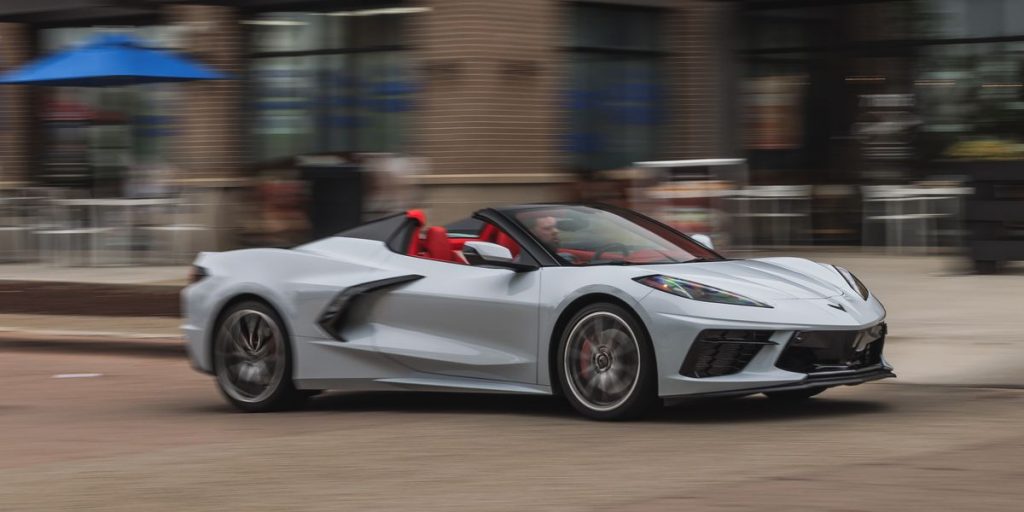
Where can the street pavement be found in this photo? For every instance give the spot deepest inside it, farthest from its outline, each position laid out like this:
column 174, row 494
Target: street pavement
column 149, row 434
column 83, row 427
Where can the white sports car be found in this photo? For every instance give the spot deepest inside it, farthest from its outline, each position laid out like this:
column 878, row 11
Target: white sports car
column 606, row 307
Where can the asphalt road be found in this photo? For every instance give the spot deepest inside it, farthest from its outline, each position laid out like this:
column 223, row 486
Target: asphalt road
column 148, row 433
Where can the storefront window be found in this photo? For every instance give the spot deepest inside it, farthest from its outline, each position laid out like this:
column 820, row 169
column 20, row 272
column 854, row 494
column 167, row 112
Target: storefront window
column 329, row 82
column 955, row 19
column 613, row 97
column 893, row 86
column 970, row 91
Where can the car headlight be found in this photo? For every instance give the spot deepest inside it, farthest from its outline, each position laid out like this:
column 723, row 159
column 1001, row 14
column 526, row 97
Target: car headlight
column 697, row 291
column 853, row 282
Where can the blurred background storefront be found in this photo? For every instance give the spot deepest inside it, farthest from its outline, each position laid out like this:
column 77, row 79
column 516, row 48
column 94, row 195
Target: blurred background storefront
column 524, row 101
column 877, row 92
column 874, row 90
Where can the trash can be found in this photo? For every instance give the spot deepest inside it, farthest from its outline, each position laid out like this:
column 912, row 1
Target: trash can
column 994, row 213
column 335, row 197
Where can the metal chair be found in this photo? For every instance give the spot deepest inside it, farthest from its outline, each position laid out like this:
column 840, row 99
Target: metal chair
column 72, row 234
column 183, row 234
column 946, row 203
column 898, row 210
column 14, row 234
column 784, row 209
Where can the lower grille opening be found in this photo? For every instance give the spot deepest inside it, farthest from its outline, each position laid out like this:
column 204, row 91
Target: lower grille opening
column 829, row 351
column 719, row 352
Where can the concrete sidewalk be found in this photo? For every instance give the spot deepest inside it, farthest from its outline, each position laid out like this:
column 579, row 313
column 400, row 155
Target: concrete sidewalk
column 150, row 276
column 133, row 327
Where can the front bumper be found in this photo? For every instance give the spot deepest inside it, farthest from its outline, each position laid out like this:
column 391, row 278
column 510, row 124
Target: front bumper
column 675, row 334
column 772, row 367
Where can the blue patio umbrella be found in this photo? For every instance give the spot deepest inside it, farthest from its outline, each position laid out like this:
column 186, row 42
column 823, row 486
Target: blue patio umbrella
column 110, row 60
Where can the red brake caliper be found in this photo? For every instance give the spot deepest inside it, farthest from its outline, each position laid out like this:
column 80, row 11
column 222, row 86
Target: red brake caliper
column 585, row 358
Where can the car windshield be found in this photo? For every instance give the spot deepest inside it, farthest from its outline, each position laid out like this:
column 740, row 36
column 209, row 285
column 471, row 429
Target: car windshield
column 587, row 235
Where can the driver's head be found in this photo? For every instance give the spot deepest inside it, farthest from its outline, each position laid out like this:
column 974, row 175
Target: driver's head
column 546, row 229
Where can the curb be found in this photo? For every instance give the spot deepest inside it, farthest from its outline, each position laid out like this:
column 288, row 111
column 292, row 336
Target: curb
column 151, row 345
column 89, row 299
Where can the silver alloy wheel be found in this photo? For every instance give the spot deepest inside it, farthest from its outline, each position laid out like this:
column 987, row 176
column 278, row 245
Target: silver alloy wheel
column 602, row 361
column 249, row 356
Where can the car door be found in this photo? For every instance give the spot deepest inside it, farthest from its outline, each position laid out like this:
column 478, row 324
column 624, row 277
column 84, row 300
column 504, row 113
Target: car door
column 460, row 320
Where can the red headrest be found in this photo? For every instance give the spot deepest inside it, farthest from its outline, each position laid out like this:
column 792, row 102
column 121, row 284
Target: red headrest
column 418, row 215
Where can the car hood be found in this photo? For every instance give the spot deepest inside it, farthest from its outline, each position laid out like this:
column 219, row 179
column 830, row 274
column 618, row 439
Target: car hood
column 766, row 279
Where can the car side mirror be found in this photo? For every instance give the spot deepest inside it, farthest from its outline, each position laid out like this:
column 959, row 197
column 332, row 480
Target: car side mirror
column 486, row 254
column 704, row 240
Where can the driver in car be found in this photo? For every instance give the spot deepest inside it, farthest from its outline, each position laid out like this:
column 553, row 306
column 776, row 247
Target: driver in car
column 546, row 231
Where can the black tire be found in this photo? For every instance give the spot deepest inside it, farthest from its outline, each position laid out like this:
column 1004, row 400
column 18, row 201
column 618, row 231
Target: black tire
column 639, row 395
column 796, row 395
column 279, row 393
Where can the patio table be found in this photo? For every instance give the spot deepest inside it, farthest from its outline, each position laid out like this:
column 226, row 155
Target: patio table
column 129, row 207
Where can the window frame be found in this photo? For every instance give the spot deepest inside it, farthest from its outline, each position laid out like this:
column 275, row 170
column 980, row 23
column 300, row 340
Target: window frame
column 320, row 112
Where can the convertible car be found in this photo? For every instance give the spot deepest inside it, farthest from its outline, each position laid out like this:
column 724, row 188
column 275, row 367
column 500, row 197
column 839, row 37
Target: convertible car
column 603, row 306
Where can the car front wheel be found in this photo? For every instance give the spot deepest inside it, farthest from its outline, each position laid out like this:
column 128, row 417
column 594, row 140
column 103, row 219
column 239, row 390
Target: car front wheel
column 606, row 365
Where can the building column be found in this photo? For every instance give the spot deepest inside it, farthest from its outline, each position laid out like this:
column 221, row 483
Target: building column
column 15, row 121
column 210, row 125
column 489, row 112
column 209, row 158
column 696, row 124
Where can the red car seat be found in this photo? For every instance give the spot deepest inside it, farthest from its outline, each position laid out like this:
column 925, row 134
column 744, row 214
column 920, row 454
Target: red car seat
column 491, row 233
column 506, row 241
column 437, row 246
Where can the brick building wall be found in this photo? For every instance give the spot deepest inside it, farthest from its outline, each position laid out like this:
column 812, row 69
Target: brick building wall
column 491, row 70
column 488, row 117
column 210, row 126
column 694, row 126
column 210, row 156
column 491, row 107
column 15, row 125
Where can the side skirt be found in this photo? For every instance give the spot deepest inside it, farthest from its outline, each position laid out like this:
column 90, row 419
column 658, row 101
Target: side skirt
column 425, row 383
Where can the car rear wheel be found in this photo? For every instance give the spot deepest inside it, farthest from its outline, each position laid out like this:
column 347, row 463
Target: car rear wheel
column 252, row 359
column 606, row 365
column 796, row 395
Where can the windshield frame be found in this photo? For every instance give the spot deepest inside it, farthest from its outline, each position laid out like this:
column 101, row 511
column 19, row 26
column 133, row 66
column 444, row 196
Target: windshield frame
column 633, row 216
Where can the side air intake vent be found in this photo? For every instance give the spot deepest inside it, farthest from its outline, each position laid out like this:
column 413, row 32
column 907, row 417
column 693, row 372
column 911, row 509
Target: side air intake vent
column 718, row 352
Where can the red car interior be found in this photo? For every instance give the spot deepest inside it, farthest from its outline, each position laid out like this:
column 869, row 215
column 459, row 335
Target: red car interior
column 434, row 243
column 437, row 246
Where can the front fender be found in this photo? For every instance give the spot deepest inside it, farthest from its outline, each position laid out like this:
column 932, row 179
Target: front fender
column 561, row 287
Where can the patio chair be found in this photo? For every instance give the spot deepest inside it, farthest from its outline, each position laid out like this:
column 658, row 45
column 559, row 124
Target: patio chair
column 70, row 233
column 180, row 234
column 14, row 234
column 900, row 211
column 783, row 210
